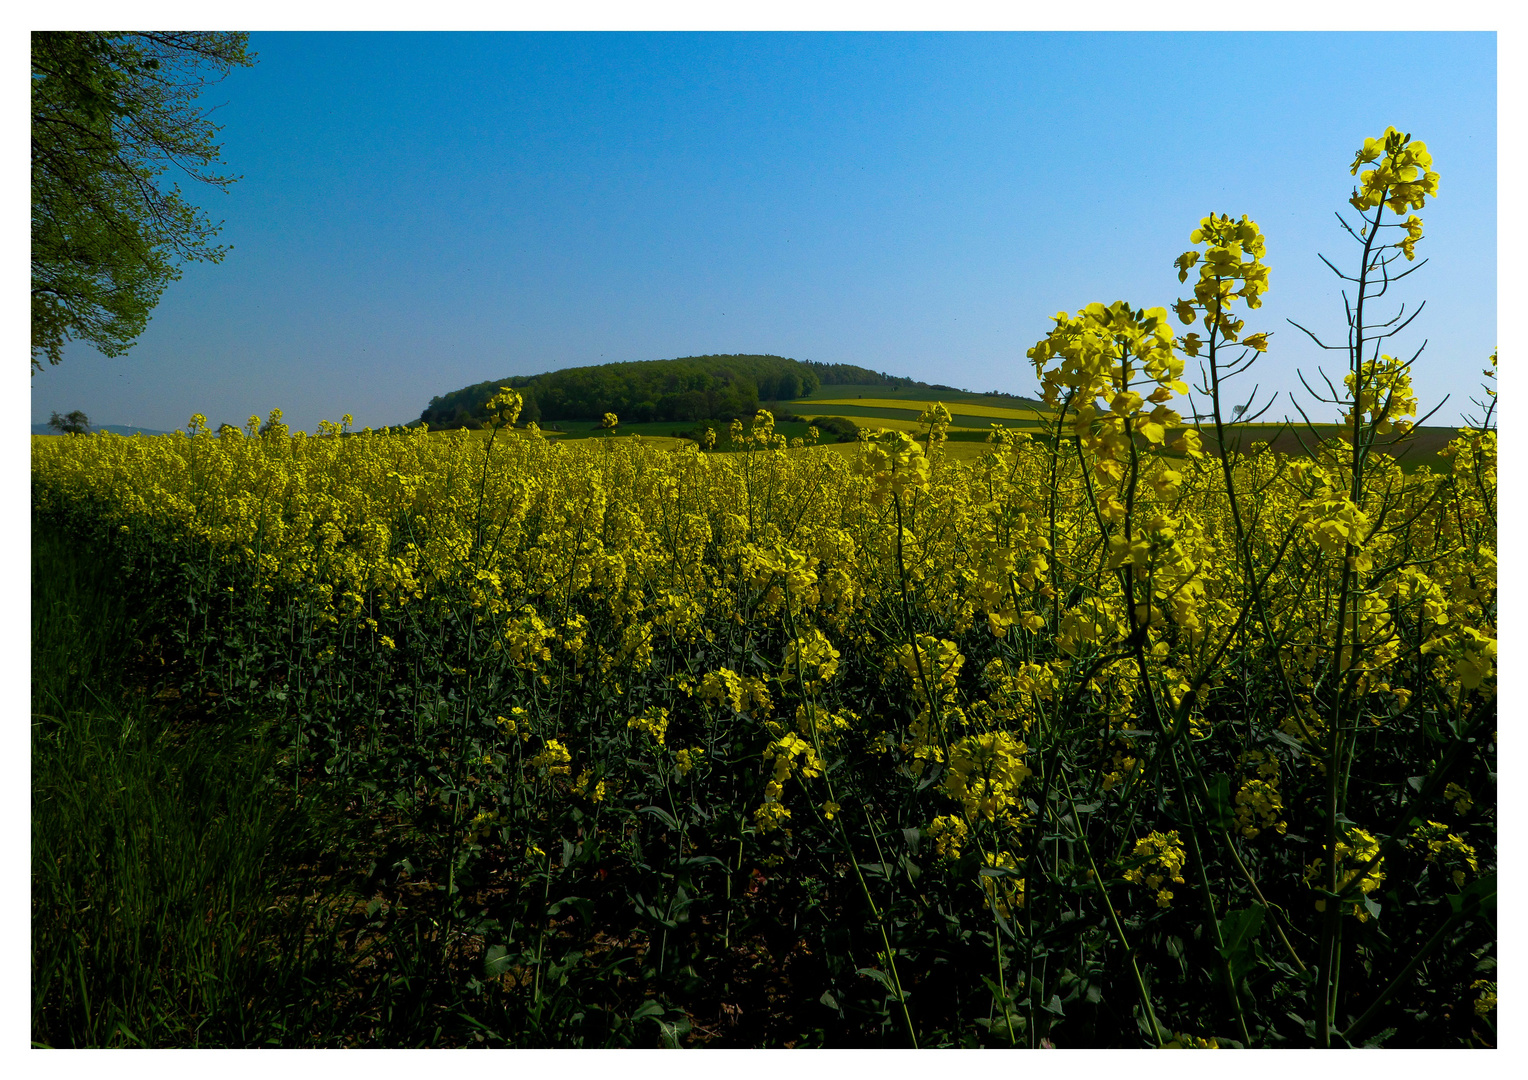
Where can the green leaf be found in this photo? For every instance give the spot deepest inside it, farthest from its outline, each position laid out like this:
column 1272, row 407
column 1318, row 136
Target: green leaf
column 930, row 779
column 669, row 1034
column 583, row 905
column 1238, row 935
column 495, row 961
column 1221, row 811
column 702, row 860
column 662, row 815
column 649, row 1007
column 1290, row 741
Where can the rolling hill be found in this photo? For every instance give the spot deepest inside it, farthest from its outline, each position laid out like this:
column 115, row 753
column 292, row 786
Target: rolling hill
column 689, row 389
column 115, row 429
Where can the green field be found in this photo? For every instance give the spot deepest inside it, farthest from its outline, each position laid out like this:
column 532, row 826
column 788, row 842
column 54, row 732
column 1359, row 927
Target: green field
column 902, row 405
column 845, row 391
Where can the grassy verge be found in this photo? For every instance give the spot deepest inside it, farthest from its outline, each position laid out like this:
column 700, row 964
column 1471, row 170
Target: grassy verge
column 154, row 917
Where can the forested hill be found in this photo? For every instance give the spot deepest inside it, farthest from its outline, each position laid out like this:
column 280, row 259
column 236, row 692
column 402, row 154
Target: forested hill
column 684, row 389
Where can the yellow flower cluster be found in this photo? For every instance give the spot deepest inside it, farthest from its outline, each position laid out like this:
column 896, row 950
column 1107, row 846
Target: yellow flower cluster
column 814, row 657
column 1157, row 859
column 741, row 693
column 517, row 723
column 482, row 824
column 1112, row 353
column 1473, row 655
column 948, row 833
column 1259, row 807
column 894, row 462
column 984, row 773
column 936, row 419
column 554, row 759
column 1403, row 178
column 1356, row 851
column 816, row 724
column 1230, row 268
column 786, row 755
column 584, row 790
column 1332, row 520
column 504, row 407
column 934, row 664
column 1381, row 390
column 1485, row 999
column 1447, row 850
column 653, row 721
column 1258, row 803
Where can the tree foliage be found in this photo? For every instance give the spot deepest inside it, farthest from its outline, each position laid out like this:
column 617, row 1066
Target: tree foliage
column 682, row 389
column 854, row 375
column 840, row 428
column 111, row 114
column 70, row 423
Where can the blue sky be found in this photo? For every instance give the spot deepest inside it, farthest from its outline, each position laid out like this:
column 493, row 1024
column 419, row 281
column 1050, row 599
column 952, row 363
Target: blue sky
column 423, row 211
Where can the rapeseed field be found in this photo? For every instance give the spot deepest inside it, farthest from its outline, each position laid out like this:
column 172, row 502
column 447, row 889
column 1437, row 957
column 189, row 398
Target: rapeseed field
column 1096, row 739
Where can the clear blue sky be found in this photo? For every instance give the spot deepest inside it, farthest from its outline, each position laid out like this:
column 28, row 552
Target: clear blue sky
column 423, row 211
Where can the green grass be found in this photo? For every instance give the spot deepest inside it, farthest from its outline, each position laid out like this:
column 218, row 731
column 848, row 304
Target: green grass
column 142, row 875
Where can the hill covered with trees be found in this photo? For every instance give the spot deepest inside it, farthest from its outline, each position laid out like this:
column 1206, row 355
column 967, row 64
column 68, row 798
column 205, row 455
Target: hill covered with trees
column 683, row 389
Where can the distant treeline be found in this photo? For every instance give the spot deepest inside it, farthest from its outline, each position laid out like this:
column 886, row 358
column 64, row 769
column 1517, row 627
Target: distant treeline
column 685, row 389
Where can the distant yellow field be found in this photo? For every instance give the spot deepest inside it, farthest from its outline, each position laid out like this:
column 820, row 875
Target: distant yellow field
column 955, row 451
column 873, row 422
column 896, row 403
column 659, row 442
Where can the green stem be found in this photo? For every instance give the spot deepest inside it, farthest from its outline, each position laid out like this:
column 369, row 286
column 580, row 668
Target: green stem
column 1202, row 873
column 1404, row 974
column 1119, row 930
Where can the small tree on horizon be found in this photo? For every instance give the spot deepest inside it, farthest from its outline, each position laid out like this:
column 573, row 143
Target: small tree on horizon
column 74, row 423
